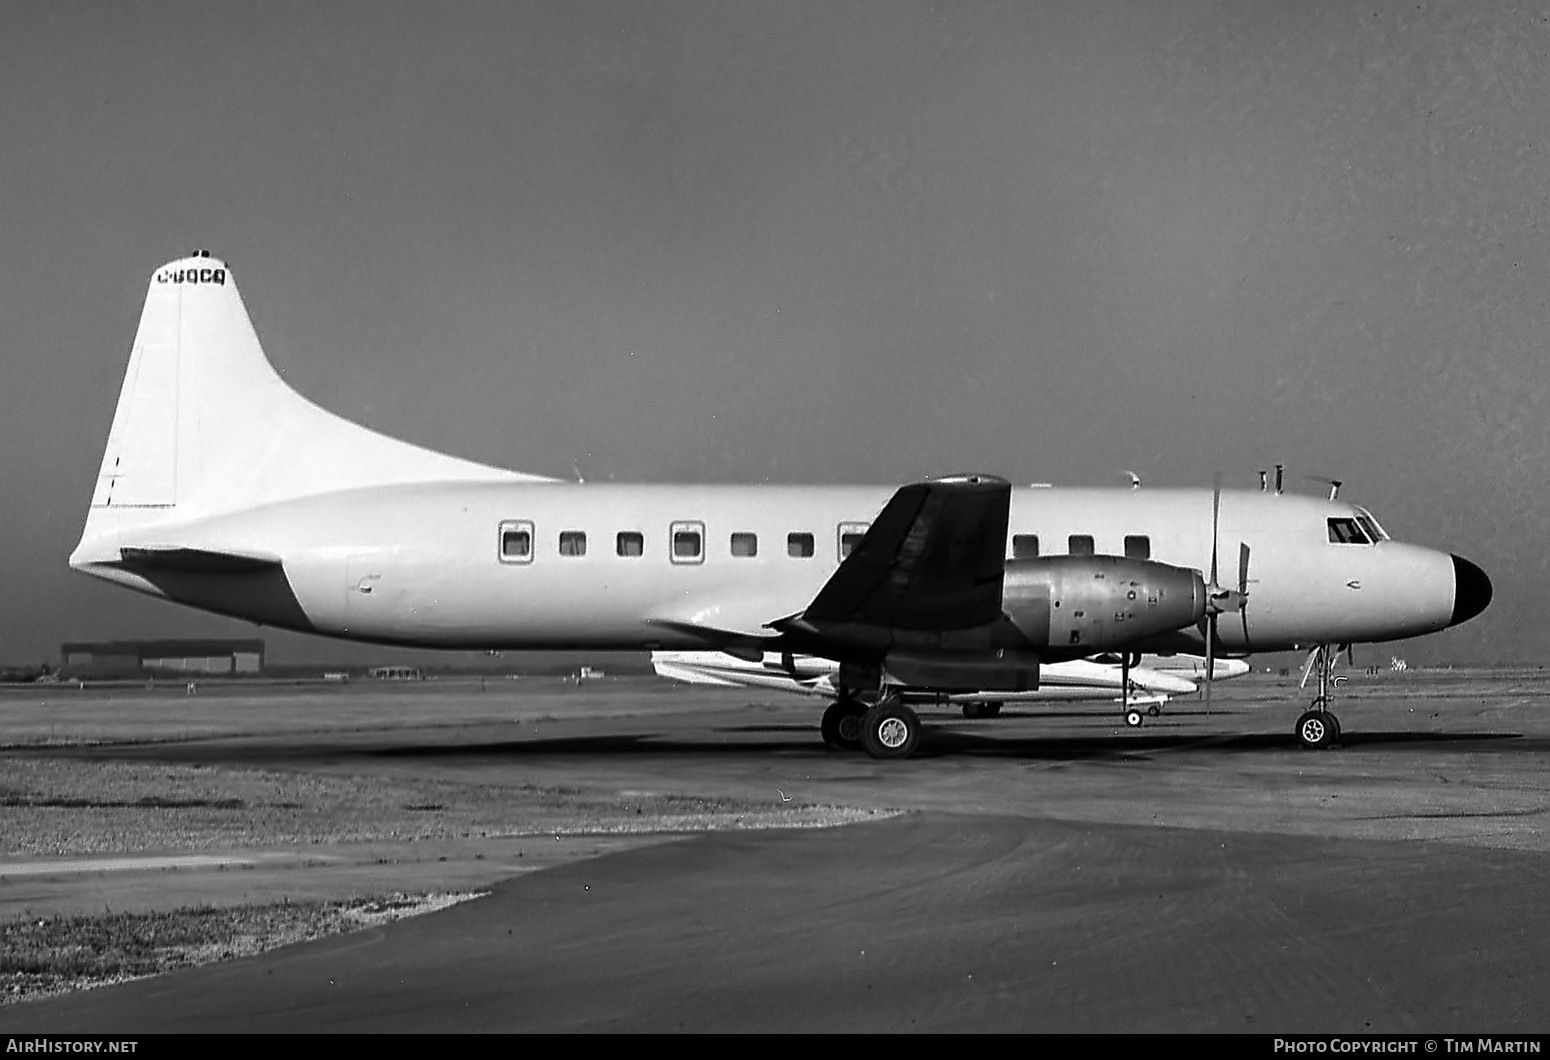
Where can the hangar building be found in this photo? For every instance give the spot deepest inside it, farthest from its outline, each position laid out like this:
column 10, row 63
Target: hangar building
column 149, row 658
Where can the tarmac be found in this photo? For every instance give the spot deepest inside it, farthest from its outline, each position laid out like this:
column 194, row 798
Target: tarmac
column 1047, row 870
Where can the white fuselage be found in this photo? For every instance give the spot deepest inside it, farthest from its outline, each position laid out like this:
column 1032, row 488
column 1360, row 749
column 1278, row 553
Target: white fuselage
column 423, row 564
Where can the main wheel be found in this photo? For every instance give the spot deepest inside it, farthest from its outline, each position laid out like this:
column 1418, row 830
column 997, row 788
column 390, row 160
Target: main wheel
column 890, row 730
column 1317, row 729
column 841, row 725
column 1134, row 718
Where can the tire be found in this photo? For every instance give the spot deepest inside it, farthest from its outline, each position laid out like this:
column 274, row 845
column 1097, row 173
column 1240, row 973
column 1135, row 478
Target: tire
column 841, row 725
column 890, row 730
column 1134, row 718
column 1316, row 729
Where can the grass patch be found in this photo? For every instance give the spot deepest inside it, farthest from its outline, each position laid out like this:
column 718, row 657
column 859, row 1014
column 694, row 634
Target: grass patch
column 41, row 957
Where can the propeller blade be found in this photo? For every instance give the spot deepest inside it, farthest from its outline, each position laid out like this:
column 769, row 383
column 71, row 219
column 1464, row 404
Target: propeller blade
column 1210, row 659
column 1213, row 590
column 1243, row 590
column 1216, row 515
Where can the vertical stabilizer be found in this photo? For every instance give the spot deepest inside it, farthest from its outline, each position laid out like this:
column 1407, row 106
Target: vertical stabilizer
column 139, row 467
column 206, row 426
column 204, row 423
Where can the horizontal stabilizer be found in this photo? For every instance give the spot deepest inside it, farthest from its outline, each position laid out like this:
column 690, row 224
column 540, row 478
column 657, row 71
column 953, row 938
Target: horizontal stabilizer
column 197, row 560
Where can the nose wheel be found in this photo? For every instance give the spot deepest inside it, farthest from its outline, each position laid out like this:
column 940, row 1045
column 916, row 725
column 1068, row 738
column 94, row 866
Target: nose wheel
column 1318, row 729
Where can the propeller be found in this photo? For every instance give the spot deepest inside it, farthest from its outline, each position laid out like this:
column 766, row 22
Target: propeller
column 1219, row 599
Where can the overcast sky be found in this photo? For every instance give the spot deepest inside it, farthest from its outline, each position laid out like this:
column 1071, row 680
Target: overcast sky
column 807, row 242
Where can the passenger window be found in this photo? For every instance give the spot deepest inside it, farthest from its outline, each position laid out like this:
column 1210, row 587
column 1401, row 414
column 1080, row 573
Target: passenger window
column 1080, row 544
column 688, row 542
column 631, row 543
column 745, row 544
column 1138, row 546
column 516, row 541
column 573, row 543
column 1347, row 532
column 850, row 536
column 799, row 546
column 1025, row 546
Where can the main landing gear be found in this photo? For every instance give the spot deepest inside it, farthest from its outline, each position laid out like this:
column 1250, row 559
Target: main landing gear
column 841, row 725
column 888, row 730
column 1317, row 727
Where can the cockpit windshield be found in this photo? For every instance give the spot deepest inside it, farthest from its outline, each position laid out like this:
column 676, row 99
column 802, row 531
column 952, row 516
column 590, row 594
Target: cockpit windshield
column 1376, row 532
column 1348, row 532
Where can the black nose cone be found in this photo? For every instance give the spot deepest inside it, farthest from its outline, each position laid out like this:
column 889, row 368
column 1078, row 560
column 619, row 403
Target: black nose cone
column 1471, row 590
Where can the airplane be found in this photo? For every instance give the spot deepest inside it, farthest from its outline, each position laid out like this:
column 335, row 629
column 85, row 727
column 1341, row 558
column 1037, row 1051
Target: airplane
column 1152, row 679
column 222, row 488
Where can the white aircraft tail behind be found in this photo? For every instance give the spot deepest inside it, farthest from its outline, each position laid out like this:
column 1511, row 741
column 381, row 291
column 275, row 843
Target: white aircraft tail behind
column 205, row 425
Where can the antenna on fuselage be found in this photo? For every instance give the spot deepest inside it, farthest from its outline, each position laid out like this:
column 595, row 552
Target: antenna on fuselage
column 1262, row 476
column 576, row 467
column 1334, row 485
column 1135, row 479
column 1280, row 474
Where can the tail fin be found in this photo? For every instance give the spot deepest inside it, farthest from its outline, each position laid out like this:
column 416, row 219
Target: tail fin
column 204, row 423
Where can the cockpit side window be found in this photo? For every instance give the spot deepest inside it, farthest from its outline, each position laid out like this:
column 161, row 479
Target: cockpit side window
column 1347, row 532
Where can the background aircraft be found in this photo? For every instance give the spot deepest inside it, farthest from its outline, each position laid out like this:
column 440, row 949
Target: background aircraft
column 1153, row 679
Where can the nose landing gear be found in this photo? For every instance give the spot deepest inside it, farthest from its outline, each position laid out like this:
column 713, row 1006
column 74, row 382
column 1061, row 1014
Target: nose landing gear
column 1318, row 728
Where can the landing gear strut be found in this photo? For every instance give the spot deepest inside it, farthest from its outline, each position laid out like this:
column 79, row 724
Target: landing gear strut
column 1133, row 716
column 1317, row 727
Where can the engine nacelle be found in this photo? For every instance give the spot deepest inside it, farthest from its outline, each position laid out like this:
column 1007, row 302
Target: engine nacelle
column 1073, row 606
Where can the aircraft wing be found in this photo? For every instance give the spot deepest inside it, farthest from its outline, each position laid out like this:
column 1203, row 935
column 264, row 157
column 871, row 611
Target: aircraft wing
column 932, row 560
